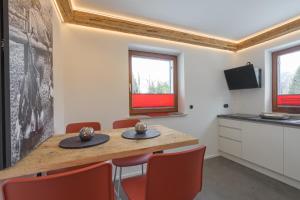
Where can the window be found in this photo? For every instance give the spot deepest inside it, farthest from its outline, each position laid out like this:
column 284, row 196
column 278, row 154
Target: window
column 153, row 83
column 286, row 80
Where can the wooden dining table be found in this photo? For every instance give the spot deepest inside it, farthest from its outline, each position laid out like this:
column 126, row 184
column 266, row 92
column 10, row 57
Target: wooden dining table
column 49, row 156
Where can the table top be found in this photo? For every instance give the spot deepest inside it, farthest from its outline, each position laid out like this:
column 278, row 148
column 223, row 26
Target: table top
column 49, row 156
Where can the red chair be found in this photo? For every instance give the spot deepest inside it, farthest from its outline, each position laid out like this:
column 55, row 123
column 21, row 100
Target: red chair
column 75, row 128
column 58, row 171
column 126, row 123
column 175, row 176
column 92, row 183
column 129, row 161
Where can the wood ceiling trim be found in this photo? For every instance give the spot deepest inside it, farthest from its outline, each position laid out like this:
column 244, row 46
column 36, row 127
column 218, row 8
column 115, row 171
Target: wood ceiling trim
column 65, row 9
column 109, row 23
column 270, row 34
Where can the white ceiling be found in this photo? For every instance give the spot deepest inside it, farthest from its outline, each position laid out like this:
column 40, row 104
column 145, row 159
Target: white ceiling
column 232, row 19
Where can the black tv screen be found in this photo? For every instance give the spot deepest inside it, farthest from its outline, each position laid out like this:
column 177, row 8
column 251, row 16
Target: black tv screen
column 244, row 77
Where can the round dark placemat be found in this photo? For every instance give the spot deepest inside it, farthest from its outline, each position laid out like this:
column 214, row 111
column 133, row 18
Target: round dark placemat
column 131, row 134
column 75, row 142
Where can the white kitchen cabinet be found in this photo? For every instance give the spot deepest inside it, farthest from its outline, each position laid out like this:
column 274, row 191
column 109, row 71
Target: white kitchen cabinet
column 262, row 144
column 292, row 153
column 230, row 146
column 230, row 137
column 230, row 133
column 230, row 123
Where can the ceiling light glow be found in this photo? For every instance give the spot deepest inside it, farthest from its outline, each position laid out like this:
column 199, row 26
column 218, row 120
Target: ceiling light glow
column 58, row 10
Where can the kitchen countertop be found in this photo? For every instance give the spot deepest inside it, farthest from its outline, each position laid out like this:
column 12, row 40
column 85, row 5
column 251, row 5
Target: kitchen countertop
column 293, row 121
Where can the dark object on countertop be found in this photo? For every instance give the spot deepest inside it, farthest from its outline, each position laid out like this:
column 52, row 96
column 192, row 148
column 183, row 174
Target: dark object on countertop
column 274, row 116
column 86, row 134
column 226, row 105
column 245, row 77
column 76, row 143
column 133, row 135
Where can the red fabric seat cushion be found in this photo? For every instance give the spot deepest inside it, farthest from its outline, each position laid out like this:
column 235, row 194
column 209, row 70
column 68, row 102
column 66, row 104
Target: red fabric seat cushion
column 135, row 187
column 132, row 161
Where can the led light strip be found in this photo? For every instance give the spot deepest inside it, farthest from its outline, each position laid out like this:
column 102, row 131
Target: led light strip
column 269, row 29
column 90, row 18
column 58, row 11
column 145, row 22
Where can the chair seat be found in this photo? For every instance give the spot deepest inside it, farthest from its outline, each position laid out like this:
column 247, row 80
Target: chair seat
column 132, row 191
column 132, row 161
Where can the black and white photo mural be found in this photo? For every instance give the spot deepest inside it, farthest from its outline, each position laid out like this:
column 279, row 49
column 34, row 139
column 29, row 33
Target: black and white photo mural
column 31, row 75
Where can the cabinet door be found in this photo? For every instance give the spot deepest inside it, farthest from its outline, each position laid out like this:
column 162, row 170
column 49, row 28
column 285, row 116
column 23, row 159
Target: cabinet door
column 292, row 153
column 230, row 123
column 263, row 145
column 231, row 133
column 230, row 146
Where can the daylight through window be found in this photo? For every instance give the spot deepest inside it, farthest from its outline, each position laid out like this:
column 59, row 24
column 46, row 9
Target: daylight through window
column 286, row 80
column 153, row 83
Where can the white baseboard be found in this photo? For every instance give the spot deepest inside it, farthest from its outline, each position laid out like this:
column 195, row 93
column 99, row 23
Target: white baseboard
column 211, row 156
column 263, row 170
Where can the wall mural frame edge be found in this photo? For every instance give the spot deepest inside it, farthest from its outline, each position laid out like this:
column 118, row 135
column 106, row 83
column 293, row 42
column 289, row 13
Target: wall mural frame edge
column 5, row 90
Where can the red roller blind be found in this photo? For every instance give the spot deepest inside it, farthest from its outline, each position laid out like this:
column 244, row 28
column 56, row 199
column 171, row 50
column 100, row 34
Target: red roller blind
column 288, row 100
column 153, row 100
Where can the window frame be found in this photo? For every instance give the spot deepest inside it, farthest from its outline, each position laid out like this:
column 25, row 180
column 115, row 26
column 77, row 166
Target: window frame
column 158, row 56
column 275, row 107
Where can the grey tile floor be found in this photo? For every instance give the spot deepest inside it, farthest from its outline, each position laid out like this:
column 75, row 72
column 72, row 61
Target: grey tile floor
column 227, row 180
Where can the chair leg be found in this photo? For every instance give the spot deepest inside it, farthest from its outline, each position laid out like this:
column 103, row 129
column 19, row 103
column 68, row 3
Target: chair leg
column 142, row 169
column 115, row 175
column 120, row 179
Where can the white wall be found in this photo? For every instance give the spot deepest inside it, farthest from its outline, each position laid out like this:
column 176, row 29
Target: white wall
column 91, row 78
column 254, row 101
column 58, row 78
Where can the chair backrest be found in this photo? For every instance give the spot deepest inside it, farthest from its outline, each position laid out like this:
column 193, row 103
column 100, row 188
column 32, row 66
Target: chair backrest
column 175, row 176
column 93, row 183
column 58, row 171
column 75, row 127
column 125, row 123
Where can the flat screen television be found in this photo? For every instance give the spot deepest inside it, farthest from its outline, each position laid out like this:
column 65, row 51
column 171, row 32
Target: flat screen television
column 245, row 77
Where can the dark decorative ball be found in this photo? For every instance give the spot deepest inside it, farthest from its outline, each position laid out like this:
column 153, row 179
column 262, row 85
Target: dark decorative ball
column 141, row 128
column 86, row 134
